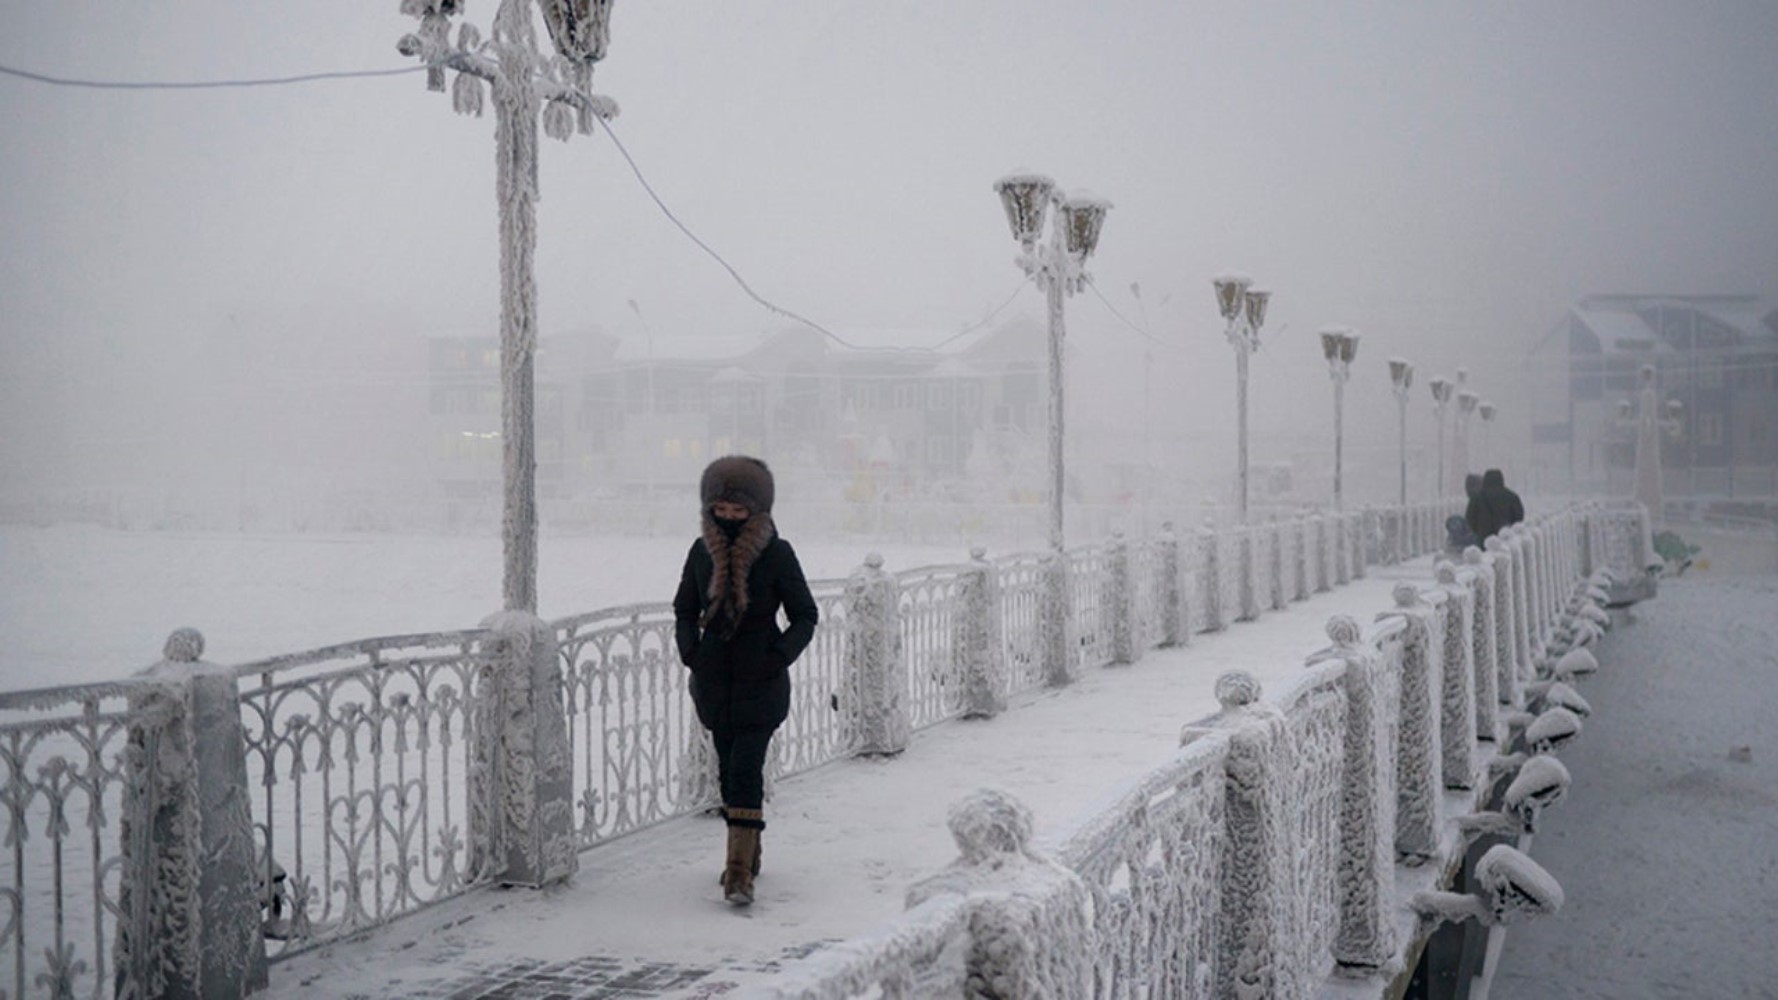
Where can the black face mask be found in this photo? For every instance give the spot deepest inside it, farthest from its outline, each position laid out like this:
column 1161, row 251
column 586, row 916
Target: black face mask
column 729, row 526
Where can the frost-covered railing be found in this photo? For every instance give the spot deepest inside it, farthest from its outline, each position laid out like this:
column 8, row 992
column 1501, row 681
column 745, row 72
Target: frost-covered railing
column 1262, row 857
column 69, row 759
column 368, row 779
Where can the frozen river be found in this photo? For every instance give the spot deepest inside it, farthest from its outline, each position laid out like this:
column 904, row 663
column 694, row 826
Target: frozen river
column 81, row 603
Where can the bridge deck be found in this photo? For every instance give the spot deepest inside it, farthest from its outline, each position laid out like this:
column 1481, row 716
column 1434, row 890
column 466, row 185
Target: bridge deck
column 645, row 918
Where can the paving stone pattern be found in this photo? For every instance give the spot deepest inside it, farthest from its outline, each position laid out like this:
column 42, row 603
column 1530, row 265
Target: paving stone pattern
column 599, row 978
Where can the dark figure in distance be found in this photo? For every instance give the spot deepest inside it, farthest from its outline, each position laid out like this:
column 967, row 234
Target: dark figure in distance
column 1494, row 508
column 1458, row 535
column 737, row 576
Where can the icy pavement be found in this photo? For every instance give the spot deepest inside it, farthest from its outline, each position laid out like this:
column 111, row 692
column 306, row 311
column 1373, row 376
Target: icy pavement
column 645, row 917
column 1667, row 845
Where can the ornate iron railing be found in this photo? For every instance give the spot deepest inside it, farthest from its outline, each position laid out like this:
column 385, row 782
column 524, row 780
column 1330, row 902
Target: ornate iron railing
column 1091, row 605
column 69, row 759
column 1021, row 611
column 635, row 742
column 359, row 769
column 929, row 606
column 1152, row 862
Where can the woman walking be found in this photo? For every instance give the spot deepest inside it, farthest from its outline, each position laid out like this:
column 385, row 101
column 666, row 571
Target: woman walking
column 737, row 576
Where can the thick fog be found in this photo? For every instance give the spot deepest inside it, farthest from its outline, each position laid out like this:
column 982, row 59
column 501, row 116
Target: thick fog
column 229, row 290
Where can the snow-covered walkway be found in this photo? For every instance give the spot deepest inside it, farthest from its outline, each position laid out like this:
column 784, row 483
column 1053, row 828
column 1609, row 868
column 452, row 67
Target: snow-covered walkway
column 644, row 917
column 1667, row 845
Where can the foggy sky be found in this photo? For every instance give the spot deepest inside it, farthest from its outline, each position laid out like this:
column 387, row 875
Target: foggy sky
column 1445, row 178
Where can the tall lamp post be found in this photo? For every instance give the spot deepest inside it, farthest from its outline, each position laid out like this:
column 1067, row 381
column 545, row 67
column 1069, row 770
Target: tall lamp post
column 1059, row 268
column 1441, row 397
column 1243, row 308
column 1467, row 402
column 1401, row 376
column 1649, row 425
column 1339, row 344
column 1486, row 411
column 526, row 86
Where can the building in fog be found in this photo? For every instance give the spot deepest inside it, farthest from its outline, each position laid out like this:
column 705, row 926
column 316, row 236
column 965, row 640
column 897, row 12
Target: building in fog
column 862, row 423
column 1717, row 355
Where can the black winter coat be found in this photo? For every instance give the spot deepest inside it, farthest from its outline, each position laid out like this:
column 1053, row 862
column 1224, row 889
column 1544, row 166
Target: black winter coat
column 744, row 681
column 1494, row 508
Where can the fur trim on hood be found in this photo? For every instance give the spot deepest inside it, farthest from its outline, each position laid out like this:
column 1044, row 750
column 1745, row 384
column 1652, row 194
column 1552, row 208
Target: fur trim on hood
column 731, row 562
column 747, row 481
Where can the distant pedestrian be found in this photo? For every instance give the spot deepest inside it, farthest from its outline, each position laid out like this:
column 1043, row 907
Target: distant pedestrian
column 1494, row 508
column 737, row 576
column 1458, row 534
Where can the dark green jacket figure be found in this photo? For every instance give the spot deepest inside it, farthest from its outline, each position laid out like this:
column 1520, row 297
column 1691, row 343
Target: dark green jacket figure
column 737, row 576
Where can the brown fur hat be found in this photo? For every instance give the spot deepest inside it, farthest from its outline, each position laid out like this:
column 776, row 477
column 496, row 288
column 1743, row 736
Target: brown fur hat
column 740, row 479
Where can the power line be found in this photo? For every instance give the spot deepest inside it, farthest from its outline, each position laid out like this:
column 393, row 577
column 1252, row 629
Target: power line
column 60, row 81
column 63, row 81
column 1144, row 334
column 742, row 282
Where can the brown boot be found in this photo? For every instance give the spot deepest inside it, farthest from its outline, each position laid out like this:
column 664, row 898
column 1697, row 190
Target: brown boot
column 743, row 854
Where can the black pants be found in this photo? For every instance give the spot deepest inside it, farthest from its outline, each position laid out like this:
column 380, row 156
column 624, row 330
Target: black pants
column 741, row 761
column 741, row 717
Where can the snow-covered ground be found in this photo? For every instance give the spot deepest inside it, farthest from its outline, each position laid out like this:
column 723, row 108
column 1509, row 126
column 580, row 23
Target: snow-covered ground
column 844, row 842
column 80, row 603
column 1667, row 845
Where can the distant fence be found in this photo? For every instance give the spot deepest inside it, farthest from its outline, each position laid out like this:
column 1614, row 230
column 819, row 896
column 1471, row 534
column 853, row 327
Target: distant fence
column 1262, row 856
column 309, row 797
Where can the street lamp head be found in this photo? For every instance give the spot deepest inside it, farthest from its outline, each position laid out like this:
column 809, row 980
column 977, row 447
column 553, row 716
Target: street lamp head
column 1026, row 198
column 1648, row 374
column 1623, row 409
column 1441, row 389
column 1332, row 340
column 580, row 29
column 432, row 8
column 1675, row 408
column 1401, row 373
column 1349, row 346
column 1082, row 217
column 1467, row 401
column 1487, row 411
column 1231, row 292
column 1255, row 301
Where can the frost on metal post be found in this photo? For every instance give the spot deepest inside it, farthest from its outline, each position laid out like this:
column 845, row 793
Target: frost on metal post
column 1174, row 610
column 979, row 645
column 195, row 835
column 1055, row 617
column 876, row 671
column 1255, row 935
column 1210, row 580
column 1417, row 754
column 1302, row 556
column 537, row 776
column 1508, row 675
column 1457, row 717
column 1121, row 598
column 1365, row 939
column 1028, row 915
column 1487, row 677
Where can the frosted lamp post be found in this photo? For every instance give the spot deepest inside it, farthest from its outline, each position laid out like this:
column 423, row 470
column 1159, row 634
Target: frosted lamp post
column 1401, row 377
column 1243, row 308
column 1441, row 396
column 1059, row 268
column 526, row 86
column 1339, row 344
column 1649, row 426
column 1467, row 402
column 1486, row 411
